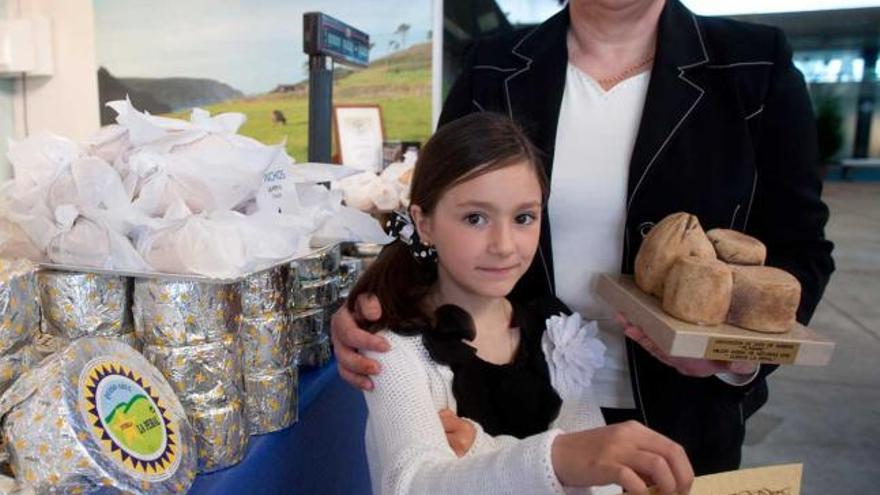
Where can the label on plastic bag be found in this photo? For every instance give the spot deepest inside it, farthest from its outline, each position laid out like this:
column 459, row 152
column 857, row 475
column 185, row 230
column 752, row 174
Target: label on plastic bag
column 128, row 420
column 278, row 192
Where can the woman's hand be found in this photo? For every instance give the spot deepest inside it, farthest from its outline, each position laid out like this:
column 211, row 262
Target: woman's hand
column 348, row 337
column 685, row 366
column 460, row 433
column 627, row 454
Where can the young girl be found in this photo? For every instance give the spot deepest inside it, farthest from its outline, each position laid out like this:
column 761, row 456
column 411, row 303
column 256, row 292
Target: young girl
column 460, row 347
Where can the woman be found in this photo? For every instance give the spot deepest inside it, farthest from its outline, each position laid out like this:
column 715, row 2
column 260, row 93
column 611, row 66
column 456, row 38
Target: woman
column 644, row 109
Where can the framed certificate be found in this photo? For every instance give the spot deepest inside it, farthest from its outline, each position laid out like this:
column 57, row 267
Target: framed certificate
column 359, row 135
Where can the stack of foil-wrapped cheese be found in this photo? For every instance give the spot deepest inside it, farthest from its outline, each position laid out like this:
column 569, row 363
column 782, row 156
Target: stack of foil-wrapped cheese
column 189, row 331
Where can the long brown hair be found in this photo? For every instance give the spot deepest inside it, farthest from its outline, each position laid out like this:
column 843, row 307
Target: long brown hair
column 459, row 151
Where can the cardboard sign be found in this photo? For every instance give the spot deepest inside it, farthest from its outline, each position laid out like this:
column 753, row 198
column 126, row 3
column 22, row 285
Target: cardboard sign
column 771, row 480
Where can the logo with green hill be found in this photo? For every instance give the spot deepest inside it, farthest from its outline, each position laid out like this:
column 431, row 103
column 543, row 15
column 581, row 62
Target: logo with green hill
column 129, row 420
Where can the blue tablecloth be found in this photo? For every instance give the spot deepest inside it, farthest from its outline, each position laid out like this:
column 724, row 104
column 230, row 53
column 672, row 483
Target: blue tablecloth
column 322, row 453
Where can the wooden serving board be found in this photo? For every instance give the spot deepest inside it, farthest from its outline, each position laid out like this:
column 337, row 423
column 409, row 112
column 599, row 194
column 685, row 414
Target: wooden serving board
column 800, row 345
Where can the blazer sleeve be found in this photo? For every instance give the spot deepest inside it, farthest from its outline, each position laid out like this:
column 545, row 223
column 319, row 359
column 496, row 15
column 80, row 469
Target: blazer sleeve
column 787, row 212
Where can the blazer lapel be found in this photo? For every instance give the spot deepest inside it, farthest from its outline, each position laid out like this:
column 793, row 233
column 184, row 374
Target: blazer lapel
column 534, row 90
column 672, row 95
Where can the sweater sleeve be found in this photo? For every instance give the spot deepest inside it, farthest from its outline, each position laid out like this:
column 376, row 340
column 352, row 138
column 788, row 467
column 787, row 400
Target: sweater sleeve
column 411, row 454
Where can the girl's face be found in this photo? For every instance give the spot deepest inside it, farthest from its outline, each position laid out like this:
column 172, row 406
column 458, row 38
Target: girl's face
column 485, row 230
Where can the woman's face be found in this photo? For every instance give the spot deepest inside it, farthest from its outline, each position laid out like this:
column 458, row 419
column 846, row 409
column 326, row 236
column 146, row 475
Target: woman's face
column 486, row 230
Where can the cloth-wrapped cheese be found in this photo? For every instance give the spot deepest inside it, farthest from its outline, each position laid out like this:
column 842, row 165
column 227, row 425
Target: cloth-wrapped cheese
column 737, row 248
column 764, row 299
column 698, row 290
column 677, row 235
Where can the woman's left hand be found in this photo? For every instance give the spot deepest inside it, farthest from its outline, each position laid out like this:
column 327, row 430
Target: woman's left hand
column 686, row 366
column 460, row 433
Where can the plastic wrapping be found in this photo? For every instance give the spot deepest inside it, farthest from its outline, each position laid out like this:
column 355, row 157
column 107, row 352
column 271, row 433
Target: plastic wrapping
column 19, row 308
column 272, row 400
column 317, row 266
column 204, row 376
column 169, row 312
column 221, row 435
column 315, row 294
column 85, row 304
column 97, row 418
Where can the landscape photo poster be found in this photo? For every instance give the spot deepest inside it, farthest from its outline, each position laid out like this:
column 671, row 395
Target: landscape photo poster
column 170, row 56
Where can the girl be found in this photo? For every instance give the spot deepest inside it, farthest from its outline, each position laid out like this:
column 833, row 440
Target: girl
column 459, row 346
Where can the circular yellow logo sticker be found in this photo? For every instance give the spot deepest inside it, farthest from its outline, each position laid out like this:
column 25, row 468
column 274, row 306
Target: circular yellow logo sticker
column 128, row 420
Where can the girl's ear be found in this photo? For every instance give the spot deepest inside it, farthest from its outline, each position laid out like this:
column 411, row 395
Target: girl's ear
column 422, row 223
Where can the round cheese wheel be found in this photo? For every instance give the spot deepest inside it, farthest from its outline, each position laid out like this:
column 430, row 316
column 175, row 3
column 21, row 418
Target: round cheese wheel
column 737, row 248
column 677, row 235
column 698, row 290
column 764, row 299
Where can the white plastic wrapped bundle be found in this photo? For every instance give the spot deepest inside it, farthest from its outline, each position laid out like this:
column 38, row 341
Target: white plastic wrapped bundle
column 221, row 244
column 88, row 239
column 367, row 192
column 158, row 194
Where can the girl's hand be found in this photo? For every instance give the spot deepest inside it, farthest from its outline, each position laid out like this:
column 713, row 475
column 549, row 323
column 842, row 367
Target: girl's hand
column 460, row 433
column 686, row 366
column 627, row 454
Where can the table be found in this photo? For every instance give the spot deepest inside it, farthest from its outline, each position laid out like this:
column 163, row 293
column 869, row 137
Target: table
column 322, row 453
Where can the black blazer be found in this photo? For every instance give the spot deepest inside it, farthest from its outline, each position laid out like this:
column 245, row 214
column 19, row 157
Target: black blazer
column 727, row 133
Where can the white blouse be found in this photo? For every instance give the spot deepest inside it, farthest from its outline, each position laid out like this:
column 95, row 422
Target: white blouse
column 594, row 142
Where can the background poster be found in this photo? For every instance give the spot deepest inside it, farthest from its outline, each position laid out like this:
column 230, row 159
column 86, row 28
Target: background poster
column 229, row 55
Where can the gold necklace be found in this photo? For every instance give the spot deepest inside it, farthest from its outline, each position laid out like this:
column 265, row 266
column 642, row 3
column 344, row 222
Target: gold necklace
column 608, row 82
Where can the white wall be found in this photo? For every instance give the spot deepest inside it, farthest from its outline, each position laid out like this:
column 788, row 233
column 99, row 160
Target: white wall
column 67, row 102
column 7, row 124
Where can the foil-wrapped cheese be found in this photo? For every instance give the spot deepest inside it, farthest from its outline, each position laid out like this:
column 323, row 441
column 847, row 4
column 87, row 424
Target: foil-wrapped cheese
column 85, row 304
column 169, row 312
column 19, row 306
column 314, row 294
column 318, row 265
column 307, row 326
column 96, row 417
column 313, row 354
column 221, row 435
column 265, row 292
column 204, row 376
column 350, row 270
column 19, row 320
column 272, row 400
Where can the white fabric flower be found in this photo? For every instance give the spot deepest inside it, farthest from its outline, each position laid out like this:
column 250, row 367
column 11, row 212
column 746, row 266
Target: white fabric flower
column 573, row 352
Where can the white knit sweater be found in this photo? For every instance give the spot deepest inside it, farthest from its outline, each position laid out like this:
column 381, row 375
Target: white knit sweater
column 407, row 447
